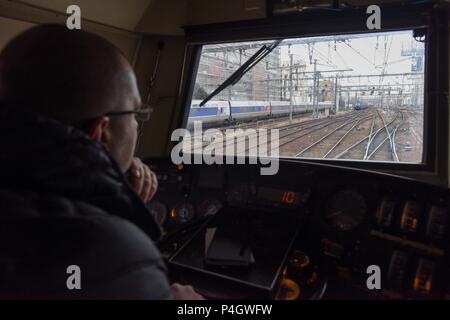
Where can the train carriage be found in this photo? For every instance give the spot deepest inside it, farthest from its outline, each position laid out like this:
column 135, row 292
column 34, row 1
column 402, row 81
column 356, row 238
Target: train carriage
column 216, row 112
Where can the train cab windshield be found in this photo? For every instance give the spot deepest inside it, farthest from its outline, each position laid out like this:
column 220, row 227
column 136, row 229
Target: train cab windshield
column 356, row 97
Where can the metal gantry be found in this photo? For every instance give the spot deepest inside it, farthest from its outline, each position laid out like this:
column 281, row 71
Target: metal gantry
column 273, row 80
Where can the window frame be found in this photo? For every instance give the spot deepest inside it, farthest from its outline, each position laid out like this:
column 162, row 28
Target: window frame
column 422, row 16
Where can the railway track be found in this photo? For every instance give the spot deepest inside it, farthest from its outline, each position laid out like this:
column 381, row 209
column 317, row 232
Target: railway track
column 359, row 135
column 379, row 144
column 288, row 132
column 328, row 143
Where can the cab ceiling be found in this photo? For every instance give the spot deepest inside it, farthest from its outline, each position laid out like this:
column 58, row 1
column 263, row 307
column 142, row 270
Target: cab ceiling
column 124, row 14
column 167, row 16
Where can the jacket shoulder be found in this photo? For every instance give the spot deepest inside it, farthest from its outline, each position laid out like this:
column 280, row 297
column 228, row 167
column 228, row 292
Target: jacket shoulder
column 122, row 262
column 116, row 259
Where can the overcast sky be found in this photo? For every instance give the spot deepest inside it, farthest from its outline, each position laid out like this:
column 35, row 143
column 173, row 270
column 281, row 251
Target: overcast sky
column 364, row 58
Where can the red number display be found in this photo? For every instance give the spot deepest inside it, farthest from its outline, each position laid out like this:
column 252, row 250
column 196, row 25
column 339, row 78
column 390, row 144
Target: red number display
column 288, row 197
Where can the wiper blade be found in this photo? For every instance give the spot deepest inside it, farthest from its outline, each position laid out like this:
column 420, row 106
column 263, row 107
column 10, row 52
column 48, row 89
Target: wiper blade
column 246, row 67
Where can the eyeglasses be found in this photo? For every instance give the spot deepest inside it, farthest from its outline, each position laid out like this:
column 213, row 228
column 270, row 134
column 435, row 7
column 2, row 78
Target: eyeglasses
column 142, row 115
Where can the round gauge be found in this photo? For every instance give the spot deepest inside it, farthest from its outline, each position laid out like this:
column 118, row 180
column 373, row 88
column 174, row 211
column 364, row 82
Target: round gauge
column 158, row 211
column 183, row 213
column 300, row 260
column 209, row 207
column 346, row 210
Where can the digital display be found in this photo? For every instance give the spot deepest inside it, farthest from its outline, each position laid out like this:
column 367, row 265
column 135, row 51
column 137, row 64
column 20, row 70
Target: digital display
column 280, row 196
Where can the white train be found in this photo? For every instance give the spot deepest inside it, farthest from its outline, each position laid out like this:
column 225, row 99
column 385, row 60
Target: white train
column 216, row 112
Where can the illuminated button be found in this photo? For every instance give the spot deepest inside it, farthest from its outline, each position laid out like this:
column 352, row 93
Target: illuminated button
column 385, row 212
column 397, row 269
column 437, row 223
column 289, row 290
column 410, row 217
column 424, row 276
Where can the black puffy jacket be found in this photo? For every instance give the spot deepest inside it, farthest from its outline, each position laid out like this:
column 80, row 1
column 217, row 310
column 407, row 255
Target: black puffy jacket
column 64, row 202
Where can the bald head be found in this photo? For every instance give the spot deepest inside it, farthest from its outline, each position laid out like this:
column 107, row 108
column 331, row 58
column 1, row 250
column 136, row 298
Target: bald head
column 67, row 75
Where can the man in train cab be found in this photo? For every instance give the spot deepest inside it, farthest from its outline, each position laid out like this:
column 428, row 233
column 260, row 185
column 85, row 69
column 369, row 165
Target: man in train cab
column 73, row 220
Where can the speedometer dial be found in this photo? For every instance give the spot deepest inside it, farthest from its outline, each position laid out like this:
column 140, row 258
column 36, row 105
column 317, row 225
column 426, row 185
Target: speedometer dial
column 346, row 211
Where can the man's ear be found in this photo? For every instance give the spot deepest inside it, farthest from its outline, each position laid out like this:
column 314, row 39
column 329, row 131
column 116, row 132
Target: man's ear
column 100, row 131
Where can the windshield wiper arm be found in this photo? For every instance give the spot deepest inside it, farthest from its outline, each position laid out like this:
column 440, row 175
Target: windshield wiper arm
column 246, row 67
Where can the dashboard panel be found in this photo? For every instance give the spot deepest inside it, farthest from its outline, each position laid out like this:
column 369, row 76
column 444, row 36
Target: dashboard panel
column 322, row 227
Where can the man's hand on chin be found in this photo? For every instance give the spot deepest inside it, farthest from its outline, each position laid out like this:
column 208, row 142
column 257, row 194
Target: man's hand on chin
column 143, row 180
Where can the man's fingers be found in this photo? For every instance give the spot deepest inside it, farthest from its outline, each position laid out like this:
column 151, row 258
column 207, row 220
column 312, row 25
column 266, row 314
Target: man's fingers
column 147, row 185
column 135, row 171
column 154, row 186
column 143, row 181
column 137, row 176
